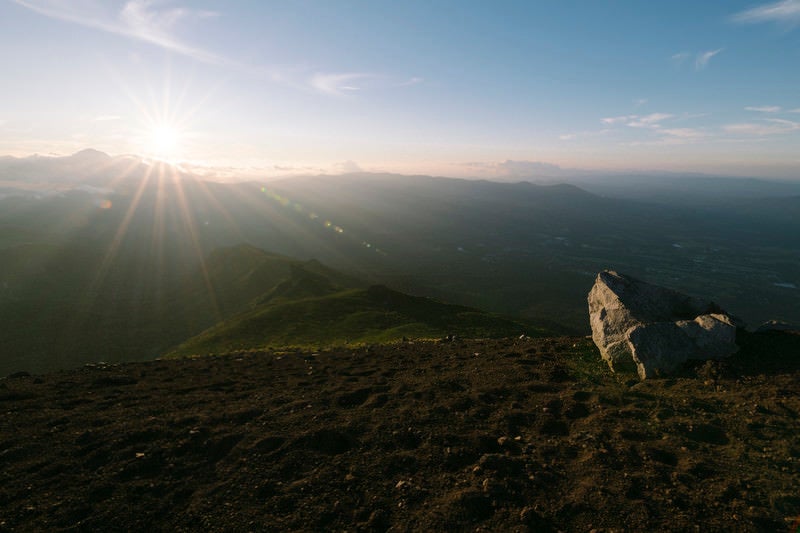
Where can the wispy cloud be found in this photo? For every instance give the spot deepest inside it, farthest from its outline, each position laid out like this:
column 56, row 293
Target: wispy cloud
column 770, row 126
column 674, row 136
column 786, row 12
column 411, row 81
column 349, row 83
column 638, row 121
column 649, row 121
column 763, row 108
column 143, row 20
column 703, row 58
column 679, row 58
column 617, row 120
column 338, row 84
column 153, row 22
column 657, row 129
column 684, row 133
column 584, row 134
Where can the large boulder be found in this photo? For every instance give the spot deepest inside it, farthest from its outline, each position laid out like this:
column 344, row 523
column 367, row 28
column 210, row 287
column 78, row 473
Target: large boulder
column 654, row 330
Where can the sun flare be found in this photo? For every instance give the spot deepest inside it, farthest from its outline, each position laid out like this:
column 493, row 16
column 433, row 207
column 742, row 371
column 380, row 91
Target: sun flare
column 164, row 140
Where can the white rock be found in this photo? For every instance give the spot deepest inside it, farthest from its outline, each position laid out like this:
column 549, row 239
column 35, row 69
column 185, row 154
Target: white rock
column 653, row 330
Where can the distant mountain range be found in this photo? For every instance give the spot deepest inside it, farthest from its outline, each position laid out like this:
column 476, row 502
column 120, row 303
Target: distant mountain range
column 92, row 167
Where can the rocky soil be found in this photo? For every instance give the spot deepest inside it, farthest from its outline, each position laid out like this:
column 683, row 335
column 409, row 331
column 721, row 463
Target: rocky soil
column 500, row 435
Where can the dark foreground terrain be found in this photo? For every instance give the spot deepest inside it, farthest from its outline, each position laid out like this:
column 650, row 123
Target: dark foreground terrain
column 508, row 435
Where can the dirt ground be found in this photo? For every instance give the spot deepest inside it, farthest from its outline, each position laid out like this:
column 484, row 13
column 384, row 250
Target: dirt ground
column 487, row 435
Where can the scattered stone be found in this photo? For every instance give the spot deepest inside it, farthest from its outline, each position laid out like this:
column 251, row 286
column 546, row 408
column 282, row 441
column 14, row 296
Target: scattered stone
column 653, row 330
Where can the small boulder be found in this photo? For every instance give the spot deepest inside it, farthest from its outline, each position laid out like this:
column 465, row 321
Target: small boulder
column 654, row 330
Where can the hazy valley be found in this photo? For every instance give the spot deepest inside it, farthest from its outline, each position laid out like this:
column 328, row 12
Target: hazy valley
column 118, row 259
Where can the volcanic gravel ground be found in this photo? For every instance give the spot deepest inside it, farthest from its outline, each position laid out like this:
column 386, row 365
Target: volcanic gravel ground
column 488, row 435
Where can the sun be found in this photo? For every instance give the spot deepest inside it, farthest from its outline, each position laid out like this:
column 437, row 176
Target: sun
column 164, row 141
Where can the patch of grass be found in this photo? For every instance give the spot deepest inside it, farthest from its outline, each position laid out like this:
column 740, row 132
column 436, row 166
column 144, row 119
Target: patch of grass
column 584, row 362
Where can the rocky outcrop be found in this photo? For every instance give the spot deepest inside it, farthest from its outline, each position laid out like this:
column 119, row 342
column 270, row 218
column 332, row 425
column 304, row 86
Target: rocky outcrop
column 654, row 330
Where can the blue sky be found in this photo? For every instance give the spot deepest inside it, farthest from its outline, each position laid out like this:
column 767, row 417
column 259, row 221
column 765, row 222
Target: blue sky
column 462, row 88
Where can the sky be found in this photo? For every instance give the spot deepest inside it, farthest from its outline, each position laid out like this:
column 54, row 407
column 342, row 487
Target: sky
column 456, row 88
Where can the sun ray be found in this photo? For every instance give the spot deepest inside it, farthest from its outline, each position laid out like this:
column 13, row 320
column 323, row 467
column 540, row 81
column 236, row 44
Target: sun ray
column 84, row 306
column 190, row 226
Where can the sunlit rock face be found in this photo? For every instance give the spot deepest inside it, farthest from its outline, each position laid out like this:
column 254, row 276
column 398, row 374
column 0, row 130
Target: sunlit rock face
column 653, row 330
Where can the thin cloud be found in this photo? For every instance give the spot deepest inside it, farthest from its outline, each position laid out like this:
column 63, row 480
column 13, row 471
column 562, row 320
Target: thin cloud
column 138, row 19
column 348, row 83
column 338, row 84
column 411, row 81
column 786, row 12
column 151, row 22
column 638, row 121
column 684, row 133
column 583, row 134
column 771, row 126
column 618, row 120
column 792, row 125
column 679, row 58
column 703, row 58
column 639, row 102
column 648, row 121
column 764, row 108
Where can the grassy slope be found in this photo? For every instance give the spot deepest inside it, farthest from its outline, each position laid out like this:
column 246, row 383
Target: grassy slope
column 373, row 315
column 63, row 305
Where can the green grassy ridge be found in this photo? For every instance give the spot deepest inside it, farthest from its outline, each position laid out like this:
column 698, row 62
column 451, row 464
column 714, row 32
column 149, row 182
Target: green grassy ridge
column 354, row 316
column 242, row 276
